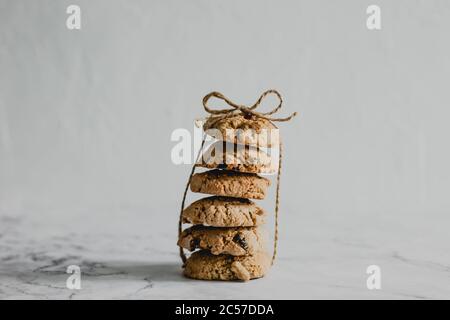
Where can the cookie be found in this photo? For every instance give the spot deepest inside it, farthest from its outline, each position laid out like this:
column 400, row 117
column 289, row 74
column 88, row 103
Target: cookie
column 204, row 265
column 243, row 129
column 238, row 241
column 219, row 211
column 236, row 157
column 230, row 183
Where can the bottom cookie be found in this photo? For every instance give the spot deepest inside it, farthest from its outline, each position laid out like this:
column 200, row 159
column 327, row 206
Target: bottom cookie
column 205, row 266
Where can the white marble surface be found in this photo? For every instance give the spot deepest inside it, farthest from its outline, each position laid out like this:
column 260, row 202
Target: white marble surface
column 124, row 255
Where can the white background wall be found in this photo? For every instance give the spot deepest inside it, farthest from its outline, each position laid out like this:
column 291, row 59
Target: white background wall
column 86, row 116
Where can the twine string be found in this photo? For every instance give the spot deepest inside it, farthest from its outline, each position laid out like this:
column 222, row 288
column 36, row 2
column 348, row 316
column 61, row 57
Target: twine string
column 180, row 220
column 277, row 203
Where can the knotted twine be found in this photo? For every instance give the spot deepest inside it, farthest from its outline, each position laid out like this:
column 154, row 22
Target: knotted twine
column 246, row 111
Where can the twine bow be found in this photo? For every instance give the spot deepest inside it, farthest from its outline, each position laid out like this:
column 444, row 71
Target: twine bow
column 246, row 110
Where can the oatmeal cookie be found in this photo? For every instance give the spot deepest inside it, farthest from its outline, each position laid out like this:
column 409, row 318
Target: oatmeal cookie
column 230, row 183
column 206, row 266
column 229, row 156
column 220, row 211
column 243, row 129
column 238, row 241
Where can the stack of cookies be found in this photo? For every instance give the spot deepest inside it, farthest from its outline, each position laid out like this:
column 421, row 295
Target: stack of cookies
column 226, row 234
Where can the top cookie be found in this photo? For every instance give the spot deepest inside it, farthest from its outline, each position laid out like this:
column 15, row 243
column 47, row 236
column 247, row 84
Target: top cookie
column 243, row 129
